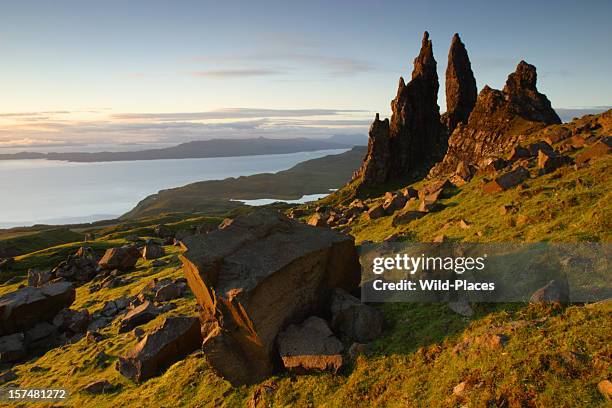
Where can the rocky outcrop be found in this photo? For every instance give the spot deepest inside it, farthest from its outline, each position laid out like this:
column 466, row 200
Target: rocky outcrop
column 461, row 89
column 256, row 276
column 168, row 343
column 414, row 137
column 498, row 121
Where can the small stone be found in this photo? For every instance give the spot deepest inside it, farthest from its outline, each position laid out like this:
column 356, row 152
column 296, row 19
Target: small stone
column 98, row 387
column 605, row 388
column 460, row 388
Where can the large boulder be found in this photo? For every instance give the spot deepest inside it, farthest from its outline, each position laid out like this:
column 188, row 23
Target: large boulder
column 310, row 346
column 123, row 258
column 166, row 344
column 22, row 309
column 254, row 278
column 356, row 320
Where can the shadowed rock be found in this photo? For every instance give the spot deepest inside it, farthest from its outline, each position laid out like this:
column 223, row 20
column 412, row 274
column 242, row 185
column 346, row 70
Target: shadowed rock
column 22, row 309
column 414, row 137
column 461, row 90
column 256, row 276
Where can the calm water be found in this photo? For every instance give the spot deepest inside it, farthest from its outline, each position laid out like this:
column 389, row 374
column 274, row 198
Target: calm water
column 38, row 191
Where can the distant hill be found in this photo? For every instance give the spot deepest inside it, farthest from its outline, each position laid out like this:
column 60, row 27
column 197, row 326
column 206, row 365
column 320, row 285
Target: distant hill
column 309, row 177
column 200, row 149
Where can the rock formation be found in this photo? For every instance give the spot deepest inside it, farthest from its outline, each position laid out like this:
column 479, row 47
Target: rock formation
column 414, row 137
column 498, row 121
column 461, row 90
column 257, row 275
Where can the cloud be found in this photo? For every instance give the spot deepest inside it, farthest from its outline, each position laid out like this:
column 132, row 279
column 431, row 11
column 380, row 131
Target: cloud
column 334, row 66
column 111, row 131
column 11, row 115
column 236, row 73
column 233, row 113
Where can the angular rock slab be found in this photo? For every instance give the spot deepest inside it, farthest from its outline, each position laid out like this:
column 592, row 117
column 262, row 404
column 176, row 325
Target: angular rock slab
column 22, row 309
column 168, row 343
column 310, row 346
column 253, row 278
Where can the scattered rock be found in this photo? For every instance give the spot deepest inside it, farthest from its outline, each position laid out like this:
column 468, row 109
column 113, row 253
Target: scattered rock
column 605, row 388
column 123, row 258
column 163, row 231
column 394, row 203
column 406, row 217
column 99, row 387
column 249, row 289
column 39, row 332
column 75, row 321
column 463, row 224
column 357, row 349
column 137, row 316
column 166, row 344
column 550, row 161
column 460, row 388
column 7, row 376
column 354, row 319
column 599, row 149
column 38, row 278
column 12, row 347
column 375, row 212
column 461, row 307
column 435, row 190
column 79, row 267
column 317, row 220
column 439, row 239
column 310, row 346
column 168, row 292
column 6, row 264
column 506, row 181
column 152, row 250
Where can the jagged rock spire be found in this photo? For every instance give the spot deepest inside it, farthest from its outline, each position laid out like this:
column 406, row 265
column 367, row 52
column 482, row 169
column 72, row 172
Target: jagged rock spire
column 414, row 137
column 461, row 90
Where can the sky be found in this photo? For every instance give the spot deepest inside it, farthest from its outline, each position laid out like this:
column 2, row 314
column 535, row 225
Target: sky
column 87, row 75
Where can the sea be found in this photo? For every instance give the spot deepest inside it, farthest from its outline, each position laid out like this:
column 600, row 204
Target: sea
column 59, row 192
